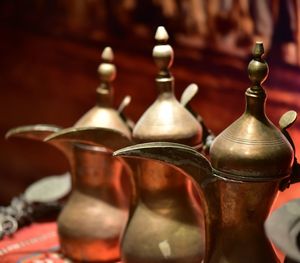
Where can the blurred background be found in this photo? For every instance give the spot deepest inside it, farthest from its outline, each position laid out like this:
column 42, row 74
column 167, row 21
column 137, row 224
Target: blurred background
column 50, row 51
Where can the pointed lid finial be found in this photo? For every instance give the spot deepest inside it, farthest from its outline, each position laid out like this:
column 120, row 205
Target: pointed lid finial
column 162, row 52
column 258, row 68
column 161, row 35
column 107, row 69
column 107, row 55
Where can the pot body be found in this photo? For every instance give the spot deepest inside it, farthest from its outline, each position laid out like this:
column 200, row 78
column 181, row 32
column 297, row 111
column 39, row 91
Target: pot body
column 95, row 214
column 244, row 208
column 166, row 225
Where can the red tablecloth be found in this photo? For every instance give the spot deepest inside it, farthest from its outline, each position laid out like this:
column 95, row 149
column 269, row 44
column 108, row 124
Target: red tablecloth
column 37, row 243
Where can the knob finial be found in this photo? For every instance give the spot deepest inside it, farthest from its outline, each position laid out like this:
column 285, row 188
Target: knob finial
column 163, row 53
column 258, row 68
column 107, row 69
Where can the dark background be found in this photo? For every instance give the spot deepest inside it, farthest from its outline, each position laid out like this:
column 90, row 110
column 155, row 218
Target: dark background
column 50, row 51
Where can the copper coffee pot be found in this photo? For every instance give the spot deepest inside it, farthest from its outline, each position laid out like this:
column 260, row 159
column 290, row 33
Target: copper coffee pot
column 250, row 161
column 96, row 212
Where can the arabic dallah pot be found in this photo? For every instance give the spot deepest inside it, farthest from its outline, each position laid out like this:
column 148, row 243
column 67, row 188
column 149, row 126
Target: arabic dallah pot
column 90, row 224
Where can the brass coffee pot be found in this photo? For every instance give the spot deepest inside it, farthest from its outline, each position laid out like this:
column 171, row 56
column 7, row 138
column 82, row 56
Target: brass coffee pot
column 165, row 225
column 96, row 212
column 250, row 161
column 166, row 200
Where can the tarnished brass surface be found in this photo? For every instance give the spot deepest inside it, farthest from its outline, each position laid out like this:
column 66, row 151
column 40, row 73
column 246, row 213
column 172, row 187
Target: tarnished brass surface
column 234, row 211
column 93, row 218
column 249, row 160
column 166, row 224
column 253, row 151
column 252, row 148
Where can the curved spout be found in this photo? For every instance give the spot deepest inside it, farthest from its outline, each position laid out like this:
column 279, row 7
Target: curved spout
column 192, row 164
column 36, row 132
column 104, row 137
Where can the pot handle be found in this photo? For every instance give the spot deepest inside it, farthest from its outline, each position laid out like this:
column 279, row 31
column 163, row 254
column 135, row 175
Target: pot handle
column 286, row 121
column 186, row 97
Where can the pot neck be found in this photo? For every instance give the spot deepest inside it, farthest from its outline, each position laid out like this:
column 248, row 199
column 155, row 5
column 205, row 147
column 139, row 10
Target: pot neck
column 255, row 102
